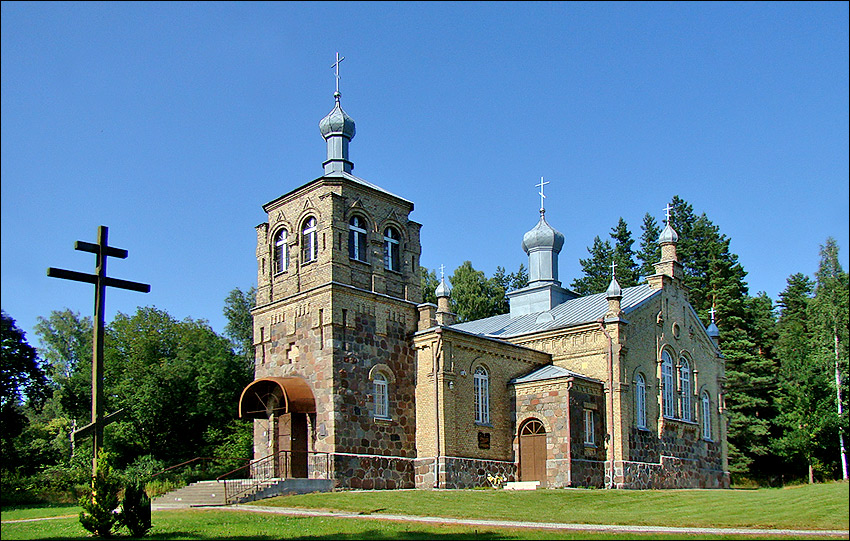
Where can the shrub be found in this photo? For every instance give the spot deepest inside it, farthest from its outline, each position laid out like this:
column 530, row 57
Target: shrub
column 136, row 509
column 98, row 515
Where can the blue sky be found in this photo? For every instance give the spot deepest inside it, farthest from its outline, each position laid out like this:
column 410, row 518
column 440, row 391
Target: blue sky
column 172, row 123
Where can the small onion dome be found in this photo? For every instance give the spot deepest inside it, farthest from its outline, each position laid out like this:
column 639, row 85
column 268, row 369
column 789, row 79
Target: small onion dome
column 668, row 235
column 712, row 330
column 337, row 122
column 613, row 289
column 442, row 289
column 543, row 236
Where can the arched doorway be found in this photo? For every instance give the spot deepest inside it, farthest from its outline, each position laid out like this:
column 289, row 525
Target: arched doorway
column 285, row 403
column 532, row 452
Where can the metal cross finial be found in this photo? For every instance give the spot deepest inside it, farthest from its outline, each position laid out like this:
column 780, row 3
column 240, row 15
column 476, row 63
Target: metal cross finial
column 442, row 271
column 712, row 311
column 542, row 197
column 667, row 209
column 613, row 266
column 336, row 70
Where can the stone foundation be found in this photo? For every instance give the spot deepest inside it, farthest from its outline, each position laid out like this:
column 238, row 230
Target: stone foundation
column 670, row 473
column 372, row 472
column 458, row 472
column 586, row 473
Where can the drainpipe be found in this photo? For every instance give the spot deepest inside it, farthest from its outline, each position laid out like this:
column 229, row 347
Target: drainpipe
column 437, row 406
column 610, row 400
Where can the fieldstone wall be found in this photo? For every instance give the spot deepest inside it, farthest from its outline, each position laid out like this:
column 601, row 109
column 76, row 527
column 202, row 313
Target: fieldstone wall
column 457, row 472
column 372, row 472
column 587, row 473
column 671, row 472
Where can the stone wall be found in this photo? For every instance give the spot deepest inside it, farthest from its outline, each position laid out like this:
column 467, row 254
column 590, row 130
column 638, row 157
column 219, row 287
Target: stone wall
column 457, row 472
column 372, row 472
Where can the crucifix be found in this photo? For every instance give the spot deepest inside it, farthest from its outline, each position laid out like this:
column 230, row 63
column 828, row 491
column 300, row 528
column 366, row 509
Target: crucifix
column 335, row 66
column 667, row 210
column 102, row 250
column 712, row 312
column 613, row 266
column 542, row 197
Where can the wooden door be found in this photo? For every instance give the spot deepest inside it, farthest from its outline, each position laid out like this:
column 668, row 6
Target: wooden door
column 532, row 452
column 291, row 451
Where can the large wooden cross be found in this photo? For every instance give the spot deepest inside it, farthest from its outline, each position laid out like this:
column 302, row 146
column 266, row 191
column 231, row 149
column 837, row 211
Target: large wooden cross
column 102, row 250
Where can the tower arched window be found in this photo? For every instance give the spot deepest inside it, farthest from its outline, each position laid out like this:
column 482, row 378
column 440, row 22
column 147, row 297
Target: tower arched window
column 668, row 387
column 706, row 415
column 280, row 253
column 640, row 401
column 382, row 399
column 357, row 238
column 685, row 388
column 309, row 246
column 481, row 386
column 392, row 252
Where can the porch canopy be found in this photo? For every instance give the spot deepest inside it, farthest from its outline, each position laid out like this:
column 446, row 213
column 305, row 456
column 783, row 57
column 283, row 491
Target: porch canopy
column 267, row 396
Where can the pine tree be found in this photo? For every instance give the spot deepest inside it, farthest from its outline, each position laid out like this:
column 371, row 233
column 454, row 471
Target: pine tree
column 799, row 387
column 624, row 256
column 597, row 269
column 650, row 251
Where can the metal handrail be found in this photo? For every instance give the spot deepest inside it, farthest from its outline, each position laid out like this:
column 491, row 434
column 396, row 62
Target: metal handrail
column 259, row 471
column 197, row 459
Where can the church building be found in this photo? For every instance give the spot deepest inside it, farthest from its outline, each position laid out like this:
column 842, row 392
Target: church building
column 358, row 381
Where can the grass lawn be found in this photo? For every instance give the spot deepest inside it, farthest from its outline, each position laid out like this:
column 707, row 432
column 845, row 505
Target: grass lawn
column 820, row 506
column 212, row 524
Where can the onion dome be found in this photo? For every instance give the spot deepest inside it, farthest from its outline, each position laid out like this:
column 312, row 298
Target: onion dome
column 337, row 122
column 668, row 235
column 543, row 237
column 713, row 331
column 442, row 289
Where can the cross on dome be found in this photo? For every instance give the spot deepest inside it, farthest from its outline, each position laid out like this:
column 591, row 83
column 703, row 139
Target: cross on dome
column 542, row 197
column 335, row 66
column 712, row 312
column 613, row 266
column 667, row 210
column 442, row 271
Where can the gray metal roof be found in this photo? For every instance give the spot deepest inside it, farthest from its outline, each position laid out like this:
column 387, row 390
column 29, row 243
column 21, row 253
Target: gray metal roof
column 550, row 371
column 359, row 180
column 572, row 312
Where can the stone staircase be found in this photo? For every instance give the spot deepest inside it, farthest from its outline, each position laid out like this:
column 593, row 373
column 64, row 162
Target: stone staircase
column 206, row 493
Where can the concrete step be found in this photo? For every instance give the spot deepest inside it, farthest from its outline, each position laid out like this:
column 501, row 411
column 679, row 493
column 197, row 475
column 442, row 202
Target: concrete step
column 200, row 493
column 522, row 485
column 245, row 490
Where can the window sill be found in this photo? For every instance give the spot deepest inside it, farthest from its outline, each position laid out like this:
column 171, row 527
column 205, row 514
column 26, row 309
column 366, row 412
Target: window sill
column 361, row 261
column 488, row 425
column 591, row 445
column 382, row 420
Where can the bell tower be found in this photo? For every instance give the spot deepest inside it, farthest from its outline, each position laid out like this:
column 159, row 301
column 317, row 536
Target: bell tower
column 337, row 293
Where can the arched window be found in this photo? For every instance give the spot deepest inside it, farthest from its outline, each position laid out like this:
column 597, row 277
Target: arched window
column 706, row 415
column 481, row 384
column 640, row 401
column 280, row 252
column 357, row 238
column 309, row 245
column 392, row 260
column 382, row 400
column 668, row 388
column 685, row 388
